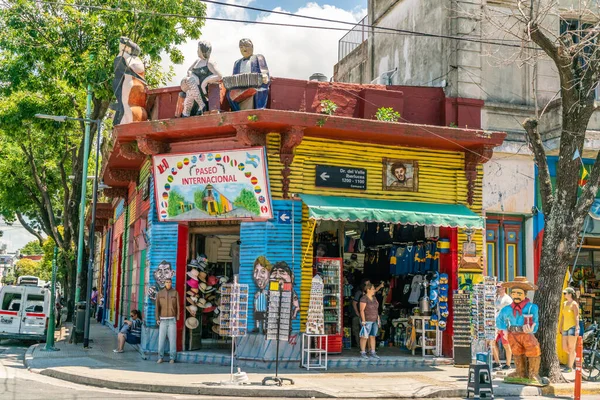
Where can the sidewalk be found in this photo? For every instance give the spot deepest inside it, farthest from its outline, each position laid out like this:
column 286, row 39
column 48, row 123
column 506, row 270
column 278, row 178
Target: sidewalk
column 99, row 366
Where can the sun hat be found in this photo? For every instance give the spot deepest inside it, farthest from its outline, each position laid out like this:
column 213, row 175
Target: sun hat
column 201, row 303
column 192, row 299
column 212, row 280
column 216, row 330
column 192, row 283
column 209, row 309
column 520, row 282
column 192, row 323
column 204, row 304
column 223, row 279
column 193, row 274
column 202, row 276
column 192, row 309
column 569, row 290
column 191, row 292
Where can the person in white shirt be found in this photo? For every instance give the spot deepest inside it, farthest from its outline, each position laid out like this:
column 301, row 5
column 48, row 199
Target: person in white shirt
column 502, row 300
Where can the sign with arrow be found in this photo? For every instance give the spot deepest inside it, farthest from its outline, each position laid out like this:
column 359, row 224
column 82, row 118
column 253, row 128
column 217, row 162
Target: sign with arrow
column 341, row 177
column 284, row 217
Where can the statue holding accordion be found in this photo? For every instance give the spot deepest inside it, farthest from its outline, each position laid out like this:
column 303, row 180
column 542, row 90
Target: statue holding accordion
column 248, row 87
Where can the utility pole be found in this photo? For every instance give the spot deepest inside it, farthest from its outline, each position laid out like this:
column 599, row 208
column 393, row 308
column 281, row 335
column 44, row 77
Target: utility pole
column 86, row 155
column 52, row 319
column 91, row 243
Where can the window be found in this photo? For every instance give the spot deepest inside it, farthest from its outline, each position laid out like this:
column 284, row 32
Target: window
column 11, row 302
column 504, row 241
column 35, row 303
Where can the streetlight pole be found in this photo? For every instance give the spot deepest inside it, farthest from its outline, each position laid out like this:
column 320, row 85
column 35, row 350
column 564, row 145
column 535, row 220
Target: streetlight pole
column 82, row 211
column 91, row 244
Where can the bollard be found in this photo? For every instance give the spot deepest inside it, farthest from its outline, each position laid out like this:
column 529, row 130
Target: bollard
column 578, row 359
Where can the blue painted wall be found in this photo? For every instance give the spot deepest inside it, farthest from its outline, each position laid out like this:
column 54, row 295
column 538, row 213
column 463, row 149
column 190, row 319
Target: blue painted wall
column 273, row 240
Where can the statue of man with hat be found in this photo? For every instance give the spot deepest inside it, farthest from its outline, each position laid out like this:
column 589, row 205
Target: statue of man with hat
column 520, row 321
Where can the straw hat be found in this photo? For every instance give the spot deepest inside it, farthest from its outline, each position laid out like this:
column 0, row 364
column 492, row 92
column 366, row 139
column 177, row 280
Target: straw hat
column 193, row 274
column 191, row 292
column 223, row 279
column 192, row 323
column 192, row 283
column 201, row 303
column 202, row 276
column 209, row 308
column 204, row 288
column 212, row 280
column 520, row 282
column 192, row 309
column 205, row 304
column 216, row 330
column 192, row 300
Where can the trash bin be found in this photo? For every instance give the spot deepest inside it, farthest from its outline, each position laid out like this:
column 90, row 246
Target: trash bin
column 79, row 321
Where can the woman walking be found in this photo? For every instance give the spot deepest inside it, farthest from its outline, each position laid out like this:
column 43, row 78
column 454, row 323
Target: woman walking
column 369, row 316
column 569, row 326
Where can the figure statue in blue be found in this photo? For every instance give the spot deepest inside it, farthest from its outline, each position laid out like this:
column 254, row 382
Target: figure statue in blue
column 248, row 87
column 519, row 322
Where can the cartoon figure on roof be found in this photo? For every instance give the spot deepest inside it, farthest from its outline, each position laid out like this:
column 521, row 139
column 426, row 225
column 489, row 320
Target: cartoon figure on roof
column 195, row 85
column 129, row 84
column 248, row 87
column 519, row 322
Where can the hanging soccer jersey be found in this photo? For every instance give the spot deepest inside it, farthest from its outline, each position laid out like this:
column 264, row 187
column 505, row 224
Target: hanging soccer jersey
column 415, row 289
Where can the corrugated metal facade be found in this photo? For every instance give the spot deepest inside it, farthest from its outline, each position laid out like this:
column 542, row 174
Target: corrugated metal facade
column 277, row 242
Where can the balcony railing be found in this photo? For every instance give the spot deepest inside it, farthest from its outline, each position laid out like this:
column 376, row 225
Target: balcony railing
column 354, row 38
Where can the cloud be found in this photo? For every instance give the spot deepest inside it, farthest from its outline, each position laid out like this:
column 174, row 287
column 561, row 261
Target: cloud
column 290, row 52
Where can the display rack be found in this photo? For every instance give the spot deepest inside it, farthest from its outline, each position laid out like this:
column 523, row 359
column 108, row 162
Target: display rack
column 331, row 270
column 462, row 327
column 279, row 322
column 315, row 323
column 483, row 313
column 233, row 319
column 314, row 351
column 429, row 338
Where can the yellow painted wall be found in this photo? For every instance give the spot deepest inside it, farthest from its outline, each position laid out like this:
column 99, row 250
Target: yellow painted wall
column 441, row 180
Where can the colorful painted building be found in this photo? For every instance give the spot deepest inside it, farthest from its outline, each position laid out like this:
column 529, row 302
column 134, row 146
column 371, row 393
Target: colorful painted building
column 289, row 183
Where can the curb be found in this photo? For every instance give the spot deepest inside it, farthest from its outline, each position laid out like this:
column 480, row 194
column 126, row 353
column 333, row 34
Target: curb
column 29, row 356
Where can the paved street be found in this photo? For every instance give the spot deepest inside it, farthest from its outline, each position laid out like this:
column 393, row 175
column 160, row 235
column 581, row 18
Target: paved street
column 16, row 383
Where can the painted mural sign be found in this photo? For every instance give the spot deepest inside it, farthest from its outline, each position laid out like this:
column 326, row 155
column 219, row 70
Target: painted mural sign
column 229, row 184
column 400, row 175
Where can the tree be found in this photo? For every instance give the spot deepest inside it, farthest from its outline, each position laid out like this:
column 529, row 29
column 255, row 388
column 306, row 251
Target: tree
column 576, row 57
column 32, row 248
column 27, row 267
column 247, row 200
column 49, row 53
column 176, row 200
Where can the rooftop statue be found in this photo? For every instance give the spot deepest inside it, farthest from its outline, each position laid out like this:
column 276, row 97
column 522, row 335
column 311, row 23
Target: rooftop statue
column 195, row 85
column 248, row 88
column 129, row 85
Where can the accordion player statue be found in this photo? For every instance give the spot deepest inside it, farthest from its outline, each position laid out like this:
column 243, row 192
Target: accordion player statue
column 248, row 87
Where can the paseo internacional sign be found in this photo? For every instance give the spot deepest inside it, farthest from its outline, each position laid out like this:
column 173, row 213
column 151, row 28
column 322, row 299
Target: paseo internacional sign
column 217, row 185
column 341, row 177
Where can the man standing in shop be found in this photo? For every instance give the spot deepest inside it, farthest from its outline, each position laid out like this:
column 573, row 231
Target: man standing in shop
column 167, row 311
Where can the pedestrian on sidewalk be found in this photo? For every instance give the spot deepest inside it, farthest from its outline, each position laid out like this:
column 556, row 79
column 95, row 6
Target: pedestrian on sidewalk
column 569, row 326
column 370, row 321
column 131, row 331
column 94, row 301
column 167, row 310
column 502, row 300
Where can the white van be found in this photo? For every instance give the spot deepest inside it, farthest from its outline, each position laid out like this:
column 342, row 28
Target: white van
column 24, row 312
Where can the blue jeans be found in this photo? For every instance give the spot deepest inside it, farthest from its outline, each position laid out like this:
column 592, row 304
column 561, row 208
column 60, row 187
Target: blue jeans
column 167, row 328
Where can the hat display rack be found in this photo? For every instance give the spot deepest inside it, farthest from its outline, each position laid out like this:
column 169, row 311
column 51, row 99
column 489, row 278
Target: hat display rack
column 233, row 320
column 202, row 296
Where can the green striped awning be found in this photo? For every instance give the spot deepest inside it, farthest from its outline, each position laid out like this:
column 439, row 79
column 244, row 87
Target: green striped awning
column 393, row 212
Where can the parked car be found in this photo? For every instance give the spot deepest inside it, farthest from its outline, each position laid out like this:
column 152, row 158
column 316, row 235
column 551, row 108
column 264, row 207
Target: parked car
column 24, row 312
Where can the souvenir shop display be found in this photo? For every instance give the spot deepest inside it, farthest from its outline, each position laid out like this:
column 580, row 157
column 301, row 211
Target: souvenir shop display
column 483, row 315
column 315, row 319
column 202, row 301
column 233, row 318
column 331, row 270
column 279, row 322
column 462, row 327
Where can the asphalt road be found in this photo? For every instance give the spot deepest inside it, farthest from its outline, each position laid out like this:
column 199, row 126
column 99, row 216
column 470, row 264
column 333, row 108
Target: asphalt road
column 16, row 383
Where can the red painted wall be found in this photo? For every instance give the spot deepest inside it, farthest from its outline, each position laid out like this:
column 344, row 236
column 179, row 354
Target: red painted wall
column 449, row 265
column 182, row 251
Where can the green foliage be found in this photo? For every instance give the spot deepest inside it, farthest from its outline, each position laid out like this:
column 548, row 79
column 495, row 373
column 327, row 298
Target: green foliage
column 328, row 107
column 252, row 118
column 321, row 122
column 387, row 114
column 175, row 202
column 9, row 279
column 247, row 200
column 32, row 247
column 453, row 125
column 27, row 267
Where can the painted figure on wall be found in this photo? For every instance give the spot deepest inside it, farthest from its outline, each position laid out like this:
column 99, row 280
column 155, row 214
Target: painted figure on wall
column 519, row 322
column 129, row 84
column 248, row 88
column 195, row 85
column 162, row 273
column 400, row 175
column 261, row 276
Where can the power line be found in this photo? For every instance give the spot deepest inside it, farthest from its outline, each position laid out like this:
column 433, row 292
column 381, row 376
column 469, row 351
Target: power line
column 382, row 30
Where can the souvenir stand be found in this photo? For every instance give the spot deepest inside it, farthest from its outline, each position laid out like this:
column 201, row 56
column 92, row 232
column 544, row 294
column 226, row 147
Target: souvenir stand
column 484, row 318
column 279, row 322
column 314, row 341
column 462, row 327
column 234, row 316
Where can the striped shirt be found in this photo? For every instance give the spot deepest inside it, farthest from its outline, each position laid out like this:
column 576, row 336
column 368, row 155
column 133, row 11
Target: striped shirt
column 260, row 302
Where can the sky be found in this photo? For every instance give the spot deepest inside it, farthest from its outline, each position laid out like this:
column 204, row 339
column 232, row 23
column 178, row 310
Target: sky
column 290, row 52
column 15, row 236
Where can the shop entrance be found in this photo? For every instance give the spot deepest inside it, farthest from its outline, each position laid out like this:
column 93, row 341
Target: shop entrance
column 218, row 249
column 401, row 260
